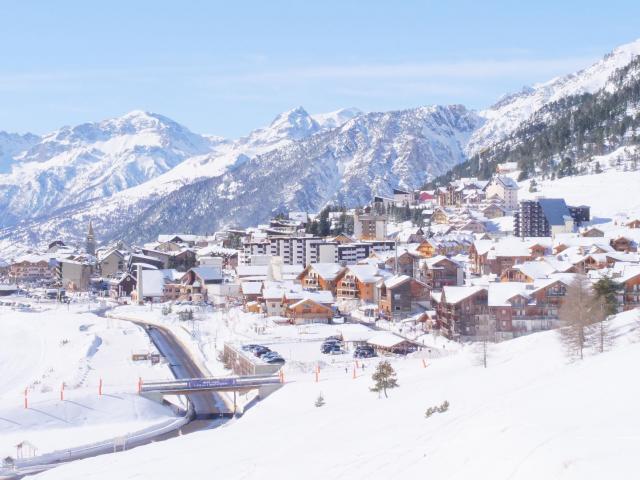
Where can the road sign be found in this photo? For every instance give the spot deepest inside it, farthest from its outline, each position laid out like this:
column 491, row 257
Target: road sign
column 212, row 383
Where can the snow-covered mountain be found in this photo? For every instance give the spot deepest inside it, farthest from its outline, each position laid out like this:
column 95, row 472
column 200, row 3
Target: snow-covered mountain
column 109, row 212
column 143, row 173
column 12, row 145
column 93, row 160
column 370, row 154
column 511, row 111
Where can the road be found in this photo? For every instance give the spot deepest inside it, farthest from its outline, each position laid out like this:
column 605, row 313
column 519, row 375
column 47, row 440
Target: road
column 203, row 409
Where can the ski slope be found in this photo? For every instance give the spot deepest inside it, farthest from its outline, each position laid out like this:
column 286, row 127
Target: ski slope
column 530, row 415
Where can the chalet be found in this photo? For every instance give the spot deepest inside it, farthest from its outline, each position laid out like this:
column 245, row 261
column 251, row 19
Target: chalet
column 320, row 276
column 462, row 311
column 473, row 226
column 635, row 223
column 161, row 258
column 629, row 281
column 622, row 243
column 441, row 216
column 440, row 271
column 527, row 272
column 121, row 285
column 399, row 295
column 251, row 291
column 111, row 262
column 308, row 310
column 182, row 260
column 197, row 282
column 357, row 282
column 493, row 210
column 147, row 262
column 388, row 342
column 592, row 232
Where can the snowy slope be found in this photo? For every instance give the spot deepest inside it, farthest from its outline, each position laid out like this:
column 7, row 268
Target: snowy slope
column 608, row 193
column 507, row 114
column 77, row 348
column 529, row 415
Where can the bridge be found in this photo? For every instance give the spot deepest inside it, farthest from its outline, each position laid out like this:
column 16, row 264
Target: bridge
column 265, row 383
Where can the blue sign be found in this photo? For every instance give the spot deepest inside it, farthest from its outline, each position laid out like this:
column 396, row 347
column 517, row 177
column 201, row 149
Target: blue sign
column 212, row 383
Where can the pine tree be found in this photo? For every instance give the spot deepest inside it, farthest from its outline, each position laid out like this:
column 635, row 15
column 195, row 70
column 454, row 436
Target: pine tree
column 598, row 168
column 320, row 401
column 384, row 378
column 533, row 186
column 607, row 291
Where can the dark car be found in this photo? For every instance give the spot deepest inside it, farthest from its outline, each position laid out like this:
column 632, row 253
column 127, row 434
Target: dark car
column 260, row 351
column 251, row 347
column 328, row 347
column 276, row 359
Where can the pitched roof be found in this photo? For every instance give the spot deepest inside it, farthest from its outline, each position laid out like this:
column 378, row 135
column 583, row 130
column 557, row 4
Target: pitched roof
column 456, row 294
column 328, row 271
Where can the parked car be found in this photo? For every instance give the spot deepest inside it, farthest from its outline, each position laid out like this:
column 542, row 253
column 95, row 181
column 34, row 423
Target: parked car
column 259, row 352
column 326, row 347
column 250, row 347
column 269, row 355
column 364, row 351
column 276, row 359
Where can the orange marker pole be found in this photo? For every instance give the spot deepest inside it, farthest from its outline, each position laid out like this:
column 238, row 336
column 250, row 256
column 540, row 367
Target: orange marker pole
column 424, row 363
column 100, row 387
column 357, row 364
column 354, row 373
column 139, row 384
column 62, row 392
column 26, row 400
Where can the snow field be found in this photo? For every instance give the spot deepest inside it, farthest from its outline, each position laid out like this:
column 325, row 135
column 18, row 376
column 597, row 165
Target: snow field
column 531, row 414
column 40, row 351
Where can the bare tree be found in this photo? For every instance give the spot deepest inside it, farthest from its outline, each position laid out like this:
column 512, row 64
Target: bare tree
column 486, row 334
column 580, row 309
column 600, row 336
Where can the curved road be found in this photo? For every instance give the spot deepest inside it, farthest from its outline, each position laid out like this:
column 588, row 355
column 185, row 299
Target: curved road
column 203, row 407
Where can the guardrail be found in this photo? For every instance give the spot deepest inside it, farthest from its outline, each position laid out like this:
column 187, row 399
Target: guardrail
column 199, row 384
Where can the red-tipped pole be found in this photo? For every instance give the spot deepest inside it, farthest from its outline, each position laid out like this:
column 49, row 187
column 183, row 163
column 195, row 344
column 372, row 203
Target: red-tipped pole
column 62, row 392
column 26, row 400
column 357, row 364
column 139, row 384
column 354, row 373
column 424, row 363
column 100, row 387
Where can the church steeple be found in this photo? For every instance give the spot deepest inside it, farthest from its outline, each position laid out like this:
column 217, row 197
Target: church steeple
column 90, row 244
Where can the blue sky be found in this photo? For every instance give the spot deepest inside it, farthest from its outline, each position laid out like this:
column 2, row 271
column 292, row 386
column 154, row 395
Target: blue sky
column 228, row 67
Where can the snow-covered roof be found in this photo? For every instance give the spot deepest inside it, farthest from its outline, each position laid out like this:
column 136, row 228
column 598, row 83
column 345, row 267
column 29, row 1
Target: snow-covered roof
column 396, row 280
column 535, row 269
column 385, row 340
column 328, row 271
column 365, row 273
column 457, row 294
column 251, row 288
column 500, row 293
column 208, row 274
column 252, row 270
column 320, row 296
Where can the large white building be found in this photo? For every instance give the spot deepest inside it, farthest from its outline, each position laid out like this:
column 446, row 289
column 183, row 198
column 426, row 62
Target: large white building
column 504, row 188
